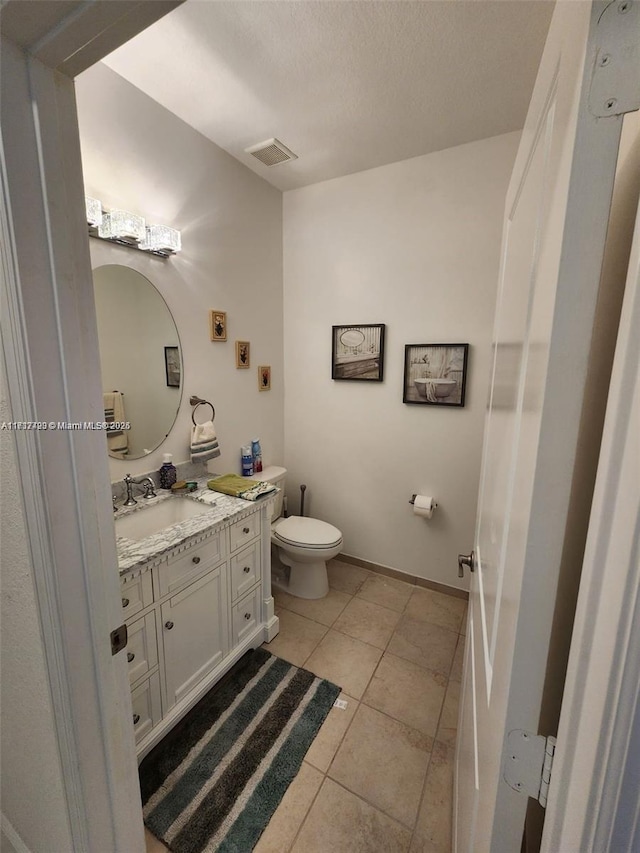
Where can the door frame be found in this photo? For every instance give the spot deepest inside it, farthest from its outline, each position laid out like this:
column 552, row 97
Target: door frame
column 593, row 801
column 53, row 377
column 51, row 357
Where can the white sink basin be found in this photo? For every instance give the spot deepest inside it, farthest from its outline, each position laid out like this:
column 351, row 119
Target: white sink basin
column 153, row 518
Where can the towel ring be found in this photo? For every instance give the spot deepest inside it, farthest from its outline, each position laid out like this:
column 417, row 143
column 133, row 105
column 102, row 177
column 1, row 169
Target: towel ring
column 197, row 406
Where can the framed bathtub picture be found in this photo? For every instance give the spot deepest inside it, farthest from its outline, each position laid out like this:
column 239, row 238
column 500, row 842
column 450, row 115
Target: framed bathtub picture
column 243, row 354
column 357, row 352
column 435, row 374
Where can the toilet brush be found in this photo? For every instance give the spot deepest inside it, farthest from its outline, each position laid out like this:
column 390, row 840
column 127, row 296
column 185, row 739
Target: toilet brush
column 302, row 491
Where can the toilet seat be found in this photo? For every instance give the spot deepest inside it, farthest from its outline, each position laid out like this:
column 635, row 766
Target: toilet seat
column 306, row 532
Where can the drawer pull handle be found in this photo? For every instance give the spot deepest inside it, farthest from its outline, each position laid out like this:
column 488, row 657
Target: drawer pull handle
column 125, row 602
column 195, row 560
column 136, row 719
column 247, row 569
column 168, row 625
column 247, row 616
column 245, row 529
column 130, row 656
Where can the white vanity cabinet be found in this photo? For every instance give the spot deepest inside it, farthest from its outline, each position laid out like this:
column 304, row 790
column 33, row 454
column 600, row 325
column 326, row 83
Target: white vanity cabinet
column 191, row 614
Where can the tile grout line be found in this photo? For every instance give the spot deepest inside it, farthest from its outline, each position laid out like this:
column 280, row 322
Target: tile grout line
column 402, row 613
column 426, row 775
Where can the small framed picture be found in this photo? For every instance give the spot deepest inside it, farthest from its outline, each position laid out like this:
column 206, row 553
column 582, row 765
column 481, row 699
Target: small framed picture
column 435, row 374
column 218, row 325
column 172, row 366
column 243, row 354
column 264, row 377
column 357, row 352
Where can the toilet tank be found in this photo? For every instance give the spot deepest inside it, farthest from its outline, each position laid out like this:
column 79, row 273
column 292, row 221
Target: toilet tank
column 275, row 475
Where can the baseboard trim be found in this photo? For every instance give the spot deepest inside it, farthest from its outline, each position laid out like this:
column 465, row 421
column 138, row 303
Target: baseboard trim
column 404, row 576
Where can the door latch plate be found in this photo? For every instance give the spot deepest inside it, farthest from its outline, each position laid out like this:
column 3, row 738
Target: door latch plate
column 119, row 638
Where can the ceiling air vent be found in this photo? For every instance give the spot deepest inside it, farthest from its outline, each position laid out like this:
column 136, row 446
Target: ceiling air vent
column 271, row 152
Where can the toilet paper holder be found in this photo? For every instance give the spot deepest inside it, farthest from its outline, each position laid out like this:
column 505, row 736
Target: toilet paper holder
column 413, row 500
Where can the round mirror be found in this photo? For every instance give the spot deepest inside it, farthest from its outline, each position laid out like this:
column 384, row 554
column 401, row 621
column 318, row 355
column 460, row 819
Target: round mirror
column 140, row 359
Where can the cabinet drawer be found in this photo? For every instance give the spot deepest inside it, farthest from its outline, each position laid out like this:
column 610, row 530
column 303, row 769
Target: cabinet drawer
column 142, row 646
column 136, row 593
column 146, row 707
column 245, row 570
column 189, row 565
column 245, row 616
column 244, row 531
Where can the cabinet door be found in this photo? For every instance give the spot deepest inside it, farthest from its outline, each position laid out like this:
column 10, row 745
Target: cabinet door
column 194, row 631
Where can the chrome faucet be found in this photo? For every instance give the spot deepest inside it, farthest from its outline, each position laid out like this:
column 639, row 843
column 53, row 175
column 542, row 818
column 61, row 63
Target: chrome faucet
column 146, row 482
column 149, row 487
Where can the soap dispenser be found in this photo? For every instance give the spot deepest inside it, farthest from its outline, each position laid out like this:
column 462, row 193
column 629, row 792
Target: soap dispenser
column 167, row 473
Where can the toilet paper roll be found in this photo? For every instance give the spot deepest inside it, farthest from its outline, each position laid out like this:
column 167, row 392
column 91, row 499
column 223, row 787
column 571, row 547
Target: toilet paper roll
column 424, row 506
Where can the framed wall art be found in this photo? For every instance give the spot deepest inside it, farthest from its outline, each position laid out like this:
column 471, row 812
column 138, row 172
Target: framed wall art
column 357, row 352
column 172, row 366
column 435, row 374
column 264, row 377
column 218, row 325
column 243, row 354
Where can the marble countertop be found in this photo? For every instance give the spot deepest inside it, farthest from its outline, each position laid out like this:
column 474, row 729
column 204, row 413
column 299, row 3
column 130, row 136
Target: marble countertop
column 218, row 511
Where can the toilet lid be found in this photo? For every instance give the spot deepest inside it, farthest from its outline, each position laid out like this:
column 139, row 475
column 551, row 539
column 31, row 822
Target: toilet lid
column 307, row 532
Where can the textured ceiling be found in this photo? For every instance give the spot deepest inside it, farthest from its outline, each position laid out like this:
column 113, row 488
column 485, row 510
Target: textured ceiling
column 346, row 85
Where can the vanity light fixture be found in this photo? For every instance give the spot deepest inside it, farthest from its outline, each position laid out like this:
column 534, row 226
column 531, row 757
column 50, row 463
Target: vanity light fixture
column 94, row 214
column 161, row 239
column 129, row 229
column 122, row 226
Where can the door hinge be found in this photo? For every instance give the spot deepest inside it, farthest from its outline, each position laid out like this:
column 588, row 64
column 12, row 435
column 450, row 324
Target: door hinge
column 119, row 639
column 528, row 762
column 615, row 74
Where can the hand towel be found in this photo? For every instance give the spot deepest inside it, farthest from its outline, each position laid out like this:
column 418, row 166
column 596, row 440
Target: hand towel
column 204, row 443
column 240, row 487
column 117, row 440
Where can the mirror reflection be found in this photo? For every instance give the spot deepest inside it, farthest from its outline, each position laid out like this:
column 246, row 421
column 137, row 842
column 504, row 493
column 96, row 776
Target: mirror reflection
column 141, row 360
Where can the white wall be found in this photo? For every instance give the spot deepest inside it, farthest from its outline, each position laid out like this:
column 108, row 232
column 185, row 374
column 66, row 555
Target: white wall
column 414, row 245
column 138, row 156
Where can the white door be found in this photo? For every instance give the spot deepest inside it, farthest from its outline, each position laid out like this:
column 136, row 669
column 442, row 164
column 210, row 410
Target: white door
column 555, row 223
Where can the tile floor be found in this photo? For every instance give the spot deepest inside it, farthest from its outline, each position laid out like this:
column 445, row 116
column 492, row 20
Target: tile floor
column 378, row 777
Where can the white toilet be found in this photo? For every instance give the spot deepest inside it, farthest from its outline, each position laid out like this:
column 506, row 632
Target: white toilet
column 303, row 544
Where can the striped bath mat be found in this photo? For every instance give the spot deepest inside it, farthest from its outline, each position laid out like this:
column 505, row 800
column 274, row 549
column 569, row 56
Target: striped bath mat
column 213, row 783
